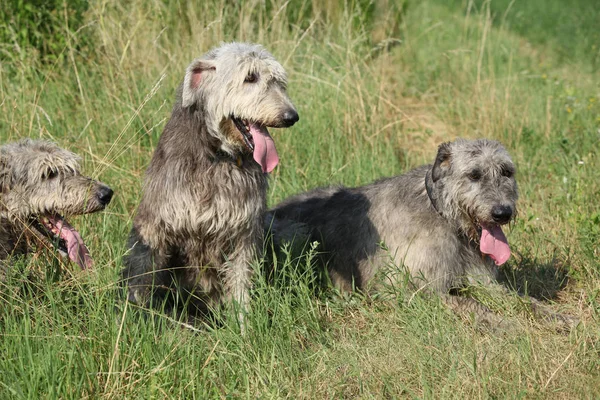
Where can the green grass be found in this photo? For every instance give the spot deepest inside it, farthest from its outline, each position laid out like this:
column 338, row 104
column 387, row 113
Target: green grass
column 527, row 77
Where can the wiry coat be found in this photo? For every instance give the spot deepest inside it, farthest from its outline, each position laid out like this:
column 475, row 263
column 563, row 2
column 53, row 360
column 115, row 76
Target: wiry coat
column 199, row 211
column 199, row 223
column 361, row 228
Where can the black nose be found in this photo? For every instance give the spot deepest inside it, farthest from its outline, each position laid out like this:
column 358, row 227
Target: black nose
column 290, row 117
column 502, row 214
column 104, row 195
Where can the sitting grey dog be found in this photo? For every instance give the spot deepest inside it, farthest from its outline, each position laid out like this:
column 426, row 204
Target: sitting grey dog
column 442, row 222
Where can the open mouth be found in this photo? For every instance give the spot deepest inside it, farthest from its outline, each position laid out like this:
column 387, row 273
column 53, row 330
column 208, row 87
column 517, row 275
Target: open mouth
column 493, row 242
column 244, row 127
column 259, row 142
column 58, row 232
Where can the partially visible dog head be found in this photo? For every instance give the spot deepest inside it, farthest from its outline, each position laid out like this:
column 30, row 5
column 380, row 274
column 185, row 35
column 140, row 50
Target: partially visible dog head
column 39, row 183
column 243, row 91
column 472, row 182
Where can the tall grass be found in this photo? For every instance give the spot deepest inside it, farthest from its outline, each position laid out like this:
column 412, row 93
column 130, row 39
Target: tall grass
column 105, row 91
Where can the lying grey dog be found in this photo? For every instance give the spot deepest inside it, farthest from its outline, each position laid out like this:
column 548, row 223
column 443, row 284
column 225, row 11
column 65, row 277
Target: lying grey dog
column 442, row 222
column 39, row 183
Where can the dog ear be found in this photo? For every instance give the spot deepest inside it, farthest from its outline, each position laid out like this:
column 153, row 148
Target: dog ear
column 193, row 77
column 442, row 163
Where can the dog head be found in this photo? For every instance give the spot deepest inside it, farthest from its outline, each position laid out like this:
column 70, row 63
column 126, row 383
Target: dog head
column 243, row 91
column 40, row 183
column 472, row 182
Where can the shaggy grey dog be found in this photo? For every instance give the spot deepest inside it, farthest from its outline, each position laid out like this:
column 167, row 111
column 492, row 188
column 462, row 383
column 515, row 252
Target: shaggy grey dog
column 442, row 222
column 199, row 224
column 39, row 183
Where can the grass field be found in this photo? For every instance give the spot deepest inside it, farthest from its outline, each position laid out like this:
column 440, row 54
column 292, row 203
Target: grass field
column 101, row 82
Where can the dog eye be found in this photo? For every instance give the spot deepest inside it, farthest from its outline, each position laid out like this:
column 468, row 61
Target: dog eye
column 474, row 175
column 50, row 174
column 507, row 172
column 251, row 78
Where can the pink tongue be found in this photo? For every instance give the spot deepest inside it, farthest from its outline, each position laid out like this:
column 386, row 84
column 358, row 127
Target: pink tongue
column 78, row 253
column 494, row 243
column 265, row 152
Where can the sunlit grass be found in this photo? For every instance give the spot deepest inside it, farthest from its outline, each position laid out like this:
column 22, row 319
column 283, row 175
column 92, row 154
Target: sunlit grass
column 361, row 117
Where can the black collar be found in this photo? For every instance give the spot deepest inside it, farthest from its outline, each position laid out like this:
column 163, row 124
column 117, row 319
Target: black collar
column 237, row 159
column 429, row 189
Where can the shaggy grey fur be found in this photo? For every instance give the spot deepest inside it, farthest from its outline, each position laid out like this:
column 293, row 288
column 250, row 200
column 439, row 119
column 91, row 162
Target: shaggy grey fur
column 199, row 224
column 429, row 220
column 38, row 181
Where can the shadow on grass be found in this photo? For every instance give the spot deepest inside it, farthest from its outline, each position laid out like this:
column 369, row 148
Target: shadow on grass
column 540, row 279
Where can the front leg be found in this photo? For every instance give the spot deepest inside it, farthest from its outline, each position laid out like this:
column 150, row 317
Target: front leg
column 563, row 322
column 145, row 272
column 468, row 306
column 237, row 274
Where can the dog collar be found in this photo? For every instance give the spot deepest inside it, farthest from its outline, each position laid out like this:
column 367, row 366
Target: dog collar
column 238, row 160
column 429, row 189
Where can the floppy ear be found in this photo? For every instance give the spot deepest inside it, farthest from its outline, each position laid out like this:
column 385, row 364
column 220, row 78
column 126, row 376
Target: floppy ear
column 442, row 163
column 193, row 78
